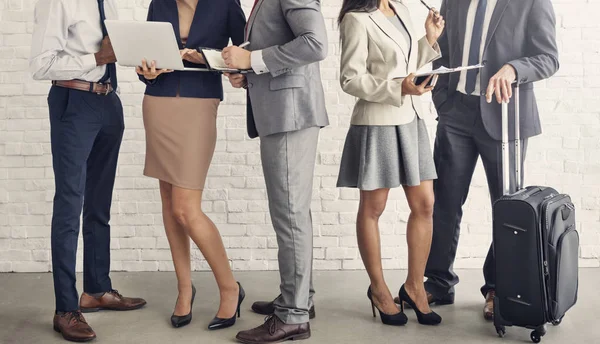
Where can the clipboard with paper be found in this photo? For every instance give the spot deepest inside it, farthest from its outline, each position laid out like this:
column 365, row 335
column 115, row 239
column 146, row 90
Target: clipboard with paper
column 215, row 63
column 422, row 76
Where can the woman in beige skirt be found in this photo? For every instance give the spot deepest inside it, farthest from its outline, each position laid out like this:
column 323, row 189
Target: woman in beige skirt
column 180, row 112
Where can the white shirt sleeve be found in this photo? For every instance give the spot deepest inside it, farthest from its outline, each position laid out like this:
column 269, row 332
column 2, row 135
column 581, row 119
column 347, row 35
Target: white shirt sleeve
column 257, row 62
column 48, row 59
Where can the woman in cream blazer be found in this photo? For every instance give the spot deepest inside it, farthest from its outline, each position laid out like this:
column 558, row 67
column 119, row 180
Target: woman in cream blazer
column 387, row 145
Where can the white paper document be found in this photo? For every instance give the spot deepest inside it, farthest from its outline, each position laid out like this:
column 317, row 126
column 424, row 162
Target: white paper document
column 445, row 70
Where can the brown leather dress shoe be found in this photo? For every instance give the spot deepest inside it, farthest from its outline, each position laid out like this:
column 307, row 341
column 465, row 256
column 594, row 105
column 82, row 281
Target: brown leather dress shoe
column 488, row 309
column 268, row 308
column 274, row 331
column 110, row 300
column 73, row 327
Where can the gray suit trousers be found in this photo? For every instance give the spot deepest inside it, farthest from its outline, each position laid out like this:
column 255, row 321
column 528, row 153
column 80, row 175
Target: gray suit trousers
column 288, row 161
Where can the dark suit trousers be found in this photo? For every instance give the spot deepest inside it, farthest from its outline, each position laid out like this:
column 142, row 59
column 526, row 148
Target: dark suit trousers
column 460, row 140
column 86, row 132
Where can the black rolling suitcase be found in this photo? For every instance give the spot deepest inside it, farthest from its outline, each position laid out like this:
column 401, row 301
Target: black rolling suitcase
column 536, row 246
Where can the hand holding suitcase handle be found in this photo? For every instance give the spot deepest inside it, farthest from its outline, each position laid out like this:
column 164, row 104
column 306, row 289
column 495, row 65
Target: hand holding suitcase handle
column 505, row 146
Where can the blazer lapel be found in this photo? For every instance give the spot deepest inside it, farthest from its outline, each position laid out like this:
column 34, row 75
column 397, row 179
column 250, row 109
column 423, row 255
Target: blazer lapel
column 390, row 30
column 253, row 18
column 404, row 15
column 196, row 18
column 501, row 6
column 174, row 18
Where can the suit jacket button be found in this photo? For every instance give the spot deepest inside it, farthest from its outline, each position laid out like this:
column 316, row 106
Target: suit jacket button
column 250, row 85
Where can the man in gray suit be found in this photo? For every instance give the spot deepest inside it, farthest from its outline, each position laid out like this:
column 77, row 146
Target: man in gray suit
column 286, row 109
column 516, row 40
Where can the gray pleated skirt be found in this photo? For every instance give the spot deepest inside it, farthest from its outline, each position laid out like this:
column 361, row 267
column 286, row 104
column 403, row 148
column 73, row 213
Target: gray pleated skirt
column 381, row 157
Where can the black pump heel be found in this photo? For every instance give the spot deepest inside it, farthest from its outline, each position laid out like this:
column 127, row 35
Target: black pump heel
column 182, row 320
column 397, row 319
column 431, row 318
column 219, row 323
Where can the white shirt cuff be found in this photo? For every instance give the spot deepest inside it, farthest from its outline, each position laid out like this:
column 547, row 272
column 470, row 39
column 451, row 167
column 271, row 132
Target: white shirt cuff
column 257, row 62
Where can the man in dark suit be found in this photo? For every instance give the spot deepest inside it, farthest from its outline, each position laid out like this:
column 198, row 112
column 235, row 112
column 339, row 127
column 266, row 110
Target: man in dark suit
column 516, row 40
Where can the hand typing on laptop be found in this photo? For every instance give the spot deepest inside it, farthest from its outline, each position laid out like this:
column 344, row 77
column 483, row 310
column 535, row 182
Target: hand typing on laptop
column 192, row 55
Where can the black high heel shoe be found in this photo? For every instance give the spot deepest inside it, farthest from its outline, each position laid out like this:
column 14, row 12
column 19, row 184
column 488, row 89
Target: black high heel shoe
column 219, row 323
column 182, row 320
column 397, row 319
column 431, row 318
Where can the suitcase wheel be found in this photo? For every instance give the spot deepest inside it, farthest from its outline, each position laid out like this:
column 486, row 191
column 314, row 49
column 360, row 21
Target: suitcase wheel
column 557, row 322
column 538, row 333
column 501, row 330
column 536, row 337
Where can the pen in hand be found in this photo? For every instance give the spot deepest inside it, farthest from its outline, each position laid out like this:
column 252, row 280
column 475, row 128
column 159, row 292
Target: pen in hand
column 429, row 7
column 245, row 44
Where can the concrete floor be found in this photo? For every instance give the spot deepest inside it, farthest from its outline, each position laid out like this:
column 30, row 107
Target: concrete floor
column 343, row 312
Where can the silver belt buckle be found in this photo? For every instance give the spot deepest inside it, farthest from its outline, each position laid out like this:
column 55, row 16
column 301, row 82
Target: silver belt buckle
column 106, row 92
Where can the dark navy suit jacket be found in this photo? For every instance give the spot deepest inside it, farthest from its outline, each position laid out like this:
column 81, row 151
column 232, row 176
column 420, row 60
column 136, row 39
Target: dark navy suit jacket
column 215, row 22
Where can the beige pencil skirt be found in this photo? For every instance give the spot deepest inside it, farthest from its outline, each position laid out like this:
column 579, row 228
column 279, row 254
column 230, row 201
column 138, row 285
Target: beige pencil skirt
column 181, row 134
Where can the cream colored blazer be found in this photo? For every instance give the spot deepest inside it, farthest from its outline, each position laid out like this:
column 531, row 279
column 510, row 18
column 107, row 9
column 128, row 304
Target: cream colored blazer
column 374, row 52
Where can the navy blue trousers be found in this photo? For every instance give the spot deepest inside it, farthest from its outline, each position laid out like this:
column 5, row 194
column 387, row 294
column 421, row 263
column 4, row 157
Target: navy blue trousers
column 86, row 132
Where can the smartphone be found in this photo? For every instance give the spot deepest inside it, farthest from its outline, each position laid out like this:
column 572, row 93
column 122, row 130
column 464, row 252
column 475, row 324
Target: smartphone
column 421, row 79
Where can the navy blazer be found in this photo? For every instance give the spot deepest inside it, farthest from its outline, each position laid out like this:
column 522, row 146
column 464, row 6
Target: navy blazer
column 214, row 23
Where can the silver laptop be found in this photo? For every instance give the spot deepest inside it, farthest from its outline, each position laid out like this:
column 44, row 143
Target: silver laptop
column 134, row 41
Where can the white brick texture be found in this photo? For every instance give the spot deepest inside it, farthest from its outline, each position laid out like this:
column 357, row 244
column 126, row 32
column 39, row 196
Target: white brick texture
column 566, row 156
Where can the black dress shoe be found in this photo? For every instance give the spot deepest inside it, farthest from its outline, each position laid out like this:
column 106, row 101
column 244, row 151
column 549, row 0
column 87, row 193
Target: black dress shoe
column 431, row 318
column 397, row 319
column 447, row 299
column 219, row 323
column 182, row 320
column 268, row 308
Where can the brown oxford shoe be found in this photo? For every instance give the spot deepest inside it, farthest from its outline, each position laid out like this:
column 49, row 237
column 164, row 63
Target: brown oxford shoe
column 488, row 309
column 274, row 331
column 110, row 300
column 73, row 327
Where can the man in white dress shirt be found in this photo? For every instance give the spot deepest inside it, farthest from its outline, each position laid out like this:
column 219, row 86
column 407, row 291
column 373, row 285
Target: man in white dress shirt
column 71, row 49
column 516, row 40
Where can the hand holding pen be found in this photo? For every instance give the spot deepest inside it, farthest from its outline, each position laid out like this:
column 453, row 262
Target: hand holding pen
column 435, row 12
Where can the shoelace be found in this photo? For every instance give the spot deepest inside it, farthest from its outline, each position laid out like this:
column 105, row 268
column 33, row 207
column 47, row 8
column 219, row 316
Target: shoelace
column 76, row 316
column 270, row 324
column 116, row 293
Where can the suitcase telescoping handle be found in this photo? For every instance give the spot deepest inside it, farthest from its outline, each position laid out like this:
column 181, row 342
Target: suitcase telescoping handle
column 506, row 148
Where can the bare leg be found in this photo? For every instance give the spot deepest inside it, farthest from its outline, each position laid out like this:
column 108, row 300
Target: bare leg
column 418, row 235
column 187, row 207
column 372, row 205
column 179, row 242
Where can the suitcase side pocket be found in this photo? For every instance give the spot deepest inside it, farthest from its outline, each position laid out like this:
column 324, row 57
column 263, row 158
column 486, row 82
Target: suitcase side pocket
column 566, row 273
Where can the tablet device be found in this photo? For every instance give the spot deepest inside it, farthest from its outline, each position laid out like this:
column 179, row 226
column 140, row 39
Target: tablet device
column 214, row 61
column 134, row 41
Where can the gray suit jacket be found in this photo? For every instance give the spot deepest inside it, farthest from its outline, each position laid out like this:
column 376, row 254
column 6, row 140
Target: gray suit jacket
column 293, row 39
column 522, row 33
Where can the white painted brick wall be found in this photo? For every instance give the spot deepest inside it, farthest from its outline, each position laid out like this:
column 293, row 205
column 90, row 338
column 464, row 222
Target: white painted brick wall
column 567, row 157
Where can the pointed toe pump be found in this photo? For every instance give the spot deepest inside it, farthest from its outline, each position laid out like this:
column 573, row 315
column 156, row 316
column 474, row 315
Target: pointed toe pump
column 397, row 319
column 431, row 318
column 182, row 320
column 219, row 323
